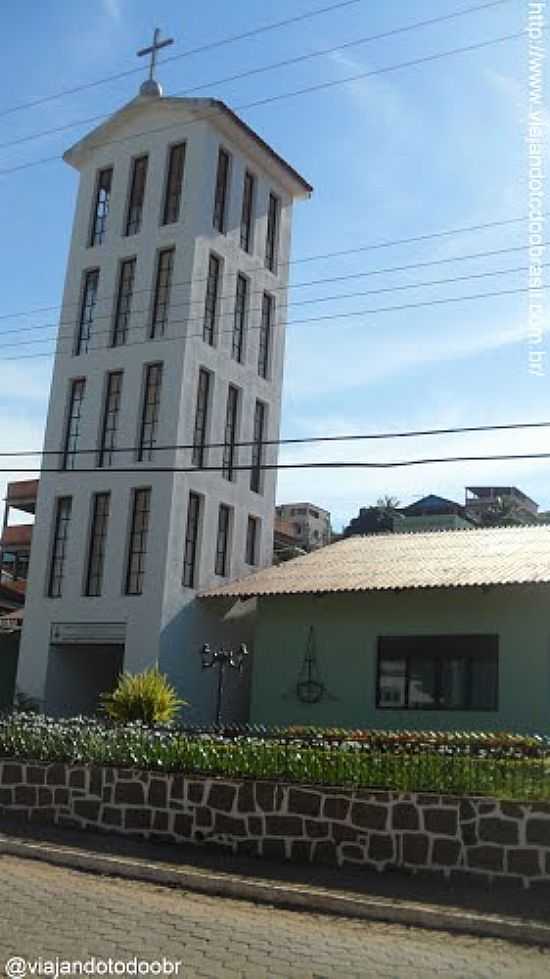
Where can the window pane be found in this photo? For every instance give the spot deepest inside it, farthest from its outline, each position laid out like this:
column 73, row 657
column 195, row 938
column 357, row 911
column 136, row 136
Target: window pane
column 422, row 681
column 74, row 419
column 87, row 311
column 247, row 212
column 137, row 195
column 220, row 196
column 124, row 302
column 174, row 182
column 484, row 683
column 163, row 286
column 150, row 412
column 392, row 682
column 201, row 419
column 137, row 549
column 191, row 541
column 454, row 682
column 60, row 537
column 272, row 233
column 101, row 206
column 211, row 300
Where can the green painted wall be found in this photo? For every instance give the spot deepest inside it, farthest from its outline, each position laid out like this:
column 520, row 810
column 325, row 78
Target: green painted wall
column 347, row 629
column 9, row 654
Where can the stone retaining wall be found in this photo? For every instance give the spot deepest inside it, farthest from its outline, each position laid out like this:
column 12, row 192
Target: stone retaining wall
column 454, row 837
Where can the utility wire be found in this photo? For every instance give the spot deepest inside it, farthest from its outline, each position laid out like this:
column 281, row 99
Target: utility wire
column 299, row 59
column 212, row 45
column 269, row 100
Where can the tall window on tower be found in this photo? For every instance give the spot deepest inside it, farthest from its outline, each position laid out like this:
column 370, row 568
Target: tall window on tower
column 252, row 536
column 220, row 194
column 87, row 311
column 266, row 325
column 201, row 418
column 191, row 541
column 174, row 184
column 137, row 195
column 222, row 541
column 98, row 540
column 150, row 412
column 111, row 412
column 229, row 447
column 257, row 448
column 74, row 420
column 125, row 295
column 163, row 285
column 239, row 319
column 211, row 300
column 101, row 206
column 137, row 549
column 272, row 236
column 59, row 546
column 247, row 212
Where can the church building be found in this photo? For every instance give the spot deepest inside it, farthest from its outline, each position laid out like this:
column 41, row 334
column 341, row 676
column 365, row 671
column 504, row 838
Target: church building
column 165, row 400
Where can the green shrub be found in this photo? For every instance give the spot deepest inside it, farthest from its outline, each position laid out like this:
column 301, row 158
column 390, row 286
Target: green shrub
column 146, row 697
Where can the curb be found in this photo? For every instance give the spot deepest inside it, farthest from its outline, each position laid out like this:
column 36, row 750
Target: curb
column 292, row 897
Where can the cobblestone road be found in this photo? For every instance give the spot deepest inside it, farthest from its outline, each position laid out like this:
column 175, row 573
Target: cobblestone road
column 48, row 912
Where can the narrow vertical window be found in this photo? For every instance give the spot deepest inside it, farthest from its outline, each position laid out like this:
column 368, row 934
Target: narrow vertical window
column 87, row 311
column 59, row 546
column 174, row 184
column 137, row 196
column 257, row 448
column 251, row 549
column 231, row 415
column 247, row 211
column 111, row 412
column 222, row 541
column 211, row 300
column 266, row 324
column 101, row 206
column 239, row 320
column 191, row 541
column 163, row 284
column 201, row 418
column 272, row 236
column 74, row 419
column 220, row 195
column 137, row 550
column 124, row 302
column 150, row 412
column 98, row 540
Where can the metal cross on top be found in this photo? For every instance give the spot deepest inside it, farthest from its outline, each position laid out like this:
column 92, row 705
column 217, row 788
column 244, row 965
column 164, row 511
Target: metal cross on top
column 155, row 47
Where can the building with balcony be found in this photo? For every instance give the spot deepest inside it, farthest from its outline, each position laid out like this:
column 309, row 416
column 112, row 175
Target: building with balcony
column 307, row 523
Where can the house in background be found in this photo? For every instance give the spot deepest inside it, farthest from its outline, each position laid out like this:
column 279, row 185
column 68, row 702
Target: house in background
column 16, row 539
column 412, row 631
column 485, row 504
column 307, row 523
column 431, row 513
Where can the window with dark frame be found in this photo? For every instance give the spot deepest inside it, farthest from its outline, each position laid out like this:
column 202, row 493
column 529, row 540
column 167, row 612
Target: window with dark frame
column 87, row 311
column 174, row 184
column 137, row 196
column 191, row 540
column 239, row 319
column 137, row 549
column 220, row 194
column 111, row 410
column 449, row 672
column 257, row 448
column 163, row 285
column 63, row 509
column 230, row 435
column 222, row 541
column 211, row 300
column 124, row 302
column 247, row 212
column 251, row 549
column 150, row 412
column 201, row 418
column 101, row 206
column 272, row 236
column 98, row 540
column 74, row 418
column 266, row 324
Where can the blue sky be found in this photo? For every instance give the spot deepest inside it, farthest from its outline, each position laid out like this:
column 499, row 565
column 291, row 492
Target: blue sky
column 439, row 145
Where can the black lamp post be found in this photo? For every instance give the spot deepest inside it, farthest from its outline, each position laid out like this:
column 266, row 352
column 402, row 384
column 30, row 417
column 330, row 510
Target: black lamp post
column 222, row 658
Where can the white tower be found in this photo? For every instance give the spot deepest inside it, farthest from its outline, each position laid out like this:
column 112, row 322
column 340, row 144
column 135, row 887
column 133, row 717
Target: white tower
column 171, row 338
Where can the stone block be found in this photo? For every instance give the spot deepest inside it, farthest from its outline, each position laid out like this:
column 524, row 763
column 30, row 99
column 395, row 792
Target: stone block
column 486, row 857
column 341, row 833
column 160, row 821
column 111, row 816
column 274, row 849
column 96, row 782
column 265, row 796
column 77, row 778
column 538, row 831
column 56, row 774
column 405, row 816
column 301, row 851
column 248, row 848
column 512, row 810
column 46, row 815
column 11, row 774
column 137, row 818
column 203, row 816
column 381, row 847
column 158, row 793
column 230, row 825
column 523, row 861
column 25, row 795
column 129, row 793
column 36, row 775
column 467, row 810
column 492, row 829
column 245, row 802
column 176, row 789
column 353, row 853
column 325, row 853
column 486, row 807
column 221, row 796
column 195, row 793
column 367, row 816
column 441, row 821
column 468, row 832
column 255, row 826
column 415, row 848
column 313, row 830
column 6, row 797
column 283, row 826
column 87, row 809
column 446, row 852
column 304, row 803
column 337, row 808
column 107, row 794
column 61, row 797
column 183, row 825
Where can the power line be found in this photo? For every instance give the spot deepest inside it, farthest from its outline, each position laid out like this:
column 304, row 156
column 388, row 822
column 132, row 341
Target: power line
column 269, row 100
column 211, row 45
column 375, row 246
column 299, row 59
column 301, row 440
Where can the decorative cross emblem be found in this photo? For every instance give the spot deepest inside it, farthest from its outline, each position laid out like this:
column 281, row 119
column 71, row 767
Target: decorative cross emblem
column 153, row 50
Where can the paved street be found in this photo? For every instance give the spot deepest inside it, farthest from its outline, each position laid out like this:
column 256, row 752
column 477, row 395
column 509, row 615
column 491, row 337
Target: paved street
column 49, row 912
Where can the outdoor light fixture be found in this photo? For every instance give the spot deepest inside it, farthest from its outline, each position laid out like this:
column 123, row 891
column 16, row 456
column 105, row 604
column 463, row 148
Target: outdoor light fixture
column 222, row 658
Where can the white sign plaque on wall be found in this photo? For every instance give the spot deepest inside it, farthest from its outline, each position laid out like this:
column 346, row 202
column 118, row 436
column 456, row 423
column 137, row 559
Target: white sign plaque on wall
column 87, row 633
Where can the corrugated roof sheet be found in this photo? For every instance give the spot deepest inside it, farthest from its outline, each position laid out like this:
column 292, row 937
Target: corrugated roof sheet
column 383, row 562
